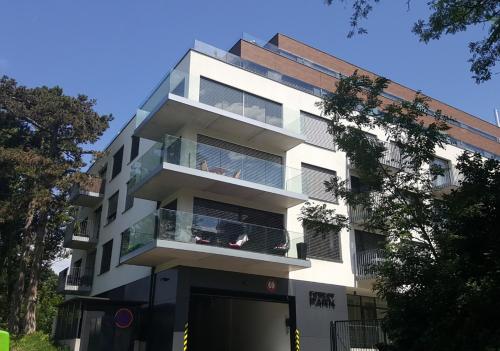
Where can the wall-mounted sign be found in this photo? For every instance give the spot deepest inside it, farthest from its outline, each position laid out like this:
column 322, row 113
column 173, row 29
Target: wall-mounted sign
column 321, row 299
column 271, row 285
column 123, row 318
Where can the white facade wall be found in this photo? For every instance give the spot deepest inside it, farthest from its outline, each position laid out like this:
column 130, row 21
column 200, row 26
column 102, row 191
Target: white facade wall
column 294, row 101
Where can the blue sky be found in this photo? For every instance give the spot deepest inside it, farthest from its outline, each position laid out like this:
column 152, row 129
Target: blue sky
column 116, row 51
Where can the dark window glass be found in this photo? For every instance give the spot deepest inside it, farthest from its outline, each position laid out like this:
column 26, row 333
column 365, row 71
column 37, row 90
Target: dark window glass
column 323, row 246
column 368, row 241
column 313, row 182
column 221, row 96
column 98, row 214
column 365, row 307
column 134, row 149
column 237, row 101
column 103, row 172
column 222, row 157
column 129, row 200
column 315, row 129
column 238, row 213
column 107, row 251
column 357, row 186
column 117, row 162
column 112, row 207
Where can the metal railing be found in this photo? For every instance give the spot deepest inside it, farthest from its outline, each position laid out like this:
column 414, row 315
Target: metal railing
column 192, row 228
column 358, row 335
column 86, row 230
column 366, row 262
column 188, row 153
column 391, row 156
column 75, row 279
column 360, row 214
column 451, row 178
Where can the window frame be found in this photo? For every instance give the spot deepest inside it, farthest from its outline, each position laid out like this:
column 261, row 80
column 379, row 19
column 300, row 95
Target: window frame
column 103, row 269
column 315, row 235
column 114, row 167
column 134, row 147
column 108, row 215
column 319, row 169
column 129, row 200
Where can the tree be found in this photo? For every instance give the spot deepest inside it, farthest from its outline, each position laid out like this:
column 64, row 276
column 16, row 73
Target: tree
column 43, row 135
column 442, row 252
column 48, row 299
column 450, row 17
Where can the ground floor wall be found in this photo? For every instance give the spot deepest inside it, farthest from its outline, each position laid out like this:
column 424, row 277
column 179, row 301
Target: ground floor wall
column 284, row 312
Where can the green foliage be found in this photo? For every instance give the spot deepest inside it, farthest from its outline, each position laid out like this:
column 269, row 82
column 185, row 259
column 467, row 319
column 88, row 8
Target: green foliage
column 450, row 17
column 35, row 342
column 48, row 300
column 441, row 273
column 449, row 301
column 44, row 136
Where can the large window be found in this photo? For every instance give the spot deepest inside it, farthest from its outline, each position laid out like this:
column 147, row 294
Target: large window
column 313, row 182
column 365, row 307
column 129, row 199
column 323, row 246
column 107, row 252
column 235, row 226
column 234, row 100
column 315, row 129
column 215, row 155
column 117, row 162
column 368, row 241
column 237, row 213
column 112, row 207
column 134, row 148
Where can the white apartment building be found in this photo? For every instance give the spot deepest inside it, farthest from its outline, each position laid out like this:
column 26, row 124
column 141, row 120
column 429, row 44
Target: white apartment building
column 189, row 239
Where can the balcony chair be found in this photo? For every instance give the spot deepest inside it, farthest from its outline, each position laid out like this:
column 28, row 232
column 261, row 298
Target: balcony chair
column 281, row 248
column 240, row 241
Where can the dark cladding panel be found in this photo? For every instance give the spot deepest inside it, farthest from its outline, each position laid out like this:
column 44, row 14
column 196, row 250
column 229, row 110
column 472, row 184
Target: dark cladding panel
column 314, row 312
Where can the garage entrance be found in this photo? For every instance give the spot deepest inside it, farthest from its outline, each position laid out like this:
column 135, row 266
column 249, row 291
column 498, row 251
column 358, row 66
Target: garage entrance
column 227, row 323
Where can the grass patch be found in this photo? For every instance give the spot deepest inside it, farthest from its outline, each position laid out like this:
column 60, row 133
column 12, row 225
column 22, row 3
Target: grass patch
column 35, row 342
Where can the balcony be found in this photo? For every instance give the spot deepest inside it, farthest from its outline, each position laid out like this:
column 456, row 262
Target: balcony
column 450, row 180
column 180, row 163
column 88, row 195
column 366, row 262
column 359, row 214
column 169, row 108
column 75, row 280
column 180, row 238
column 81, row 235
column 358, row 335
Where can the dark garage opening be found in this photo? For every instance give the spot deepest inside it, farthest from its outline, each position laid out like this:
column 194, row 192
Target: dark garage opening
column 224, row 323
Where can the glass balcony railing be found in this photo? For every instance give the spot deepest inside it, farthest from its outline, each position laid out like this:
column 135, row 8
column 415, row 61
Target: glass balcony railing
column 176, row 82
column 223, row 97
column 197, row 229
column 208, row 158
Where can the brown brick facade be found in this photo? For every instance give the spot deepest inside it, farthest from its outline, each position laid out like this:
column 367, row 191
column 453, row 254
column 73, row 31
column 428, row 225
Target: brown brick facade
column 309, row 75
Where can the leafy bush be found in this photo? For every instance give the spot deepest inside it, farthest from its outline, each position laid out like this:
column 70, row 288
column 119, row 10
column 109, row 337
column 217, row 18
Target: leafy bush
column 35, row 342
